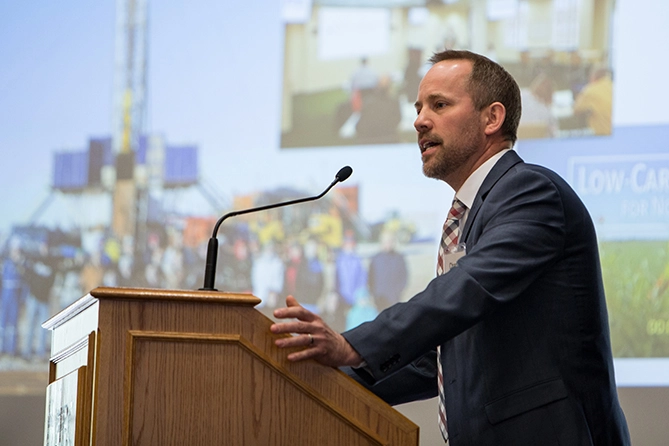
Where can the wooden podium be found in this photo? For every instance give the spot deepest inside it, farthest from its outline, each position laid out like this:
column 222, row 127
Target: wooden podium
column 132, row 366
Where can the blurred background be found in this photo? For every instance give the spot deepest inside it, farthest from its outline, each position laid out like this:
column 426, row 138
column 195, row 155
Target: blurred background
column 129, row 127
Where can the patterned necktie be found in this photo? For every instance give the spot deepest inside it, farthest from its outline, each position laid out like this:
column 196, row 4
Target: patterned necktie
column 449, row 241
column 449, row 237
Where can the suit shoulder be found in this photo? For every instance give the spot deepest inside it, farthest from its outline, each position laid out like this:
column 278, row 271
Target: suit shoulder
column 543, row 177
column 541, row 172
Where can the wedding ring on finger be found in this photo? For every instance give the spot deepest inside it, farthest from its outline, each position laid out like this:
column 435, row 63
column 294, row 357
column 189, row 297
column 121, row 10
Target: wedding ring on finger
column 311, row 339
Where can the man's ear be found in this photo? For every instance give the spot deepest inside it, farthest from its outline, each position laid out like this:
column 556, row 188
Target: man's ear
column 494, row 117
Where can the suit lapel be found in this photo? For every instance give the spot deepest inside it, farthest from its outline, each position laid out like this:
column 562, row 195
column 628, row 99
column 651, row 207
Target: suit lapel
column 505, row 163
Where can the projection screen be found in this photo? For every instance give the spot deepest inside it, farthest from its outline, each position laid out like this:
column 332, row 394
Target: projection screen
column 122, row 145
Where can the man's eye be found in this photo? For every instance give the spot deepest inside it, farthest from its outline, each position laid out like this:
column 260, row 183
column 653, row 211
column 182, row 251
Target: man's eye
column 439, row 105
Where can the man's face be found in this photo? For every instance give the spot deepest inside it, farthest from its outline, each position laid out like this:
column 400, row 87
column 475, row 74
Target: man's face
column 450, row 130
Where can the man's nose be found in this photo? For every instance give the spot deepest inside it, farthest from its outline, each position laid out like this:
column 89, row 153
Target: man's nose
column 422, row 122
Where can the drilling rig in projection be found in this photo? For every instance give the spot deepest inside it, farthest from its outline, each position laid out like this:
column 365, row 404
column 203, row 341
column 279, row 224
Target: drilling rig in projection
column 131, row 169
column 129, row 196
column 144, row 165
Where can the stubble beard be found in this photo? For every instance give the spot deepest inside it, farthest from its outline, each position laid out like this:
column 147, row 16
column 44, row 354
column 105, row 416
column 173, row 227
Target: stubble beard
column 451, row 157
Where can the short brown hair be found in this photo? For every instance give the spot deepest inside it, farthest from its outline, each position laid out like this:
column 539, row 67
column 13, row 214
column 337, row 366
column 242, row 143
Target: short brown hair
column 489, row 82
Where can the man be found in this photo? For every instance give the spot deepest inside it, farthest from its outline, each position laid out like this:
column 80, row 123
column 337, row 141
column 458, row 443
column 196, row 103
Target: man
column 520, row 319
column 12, row 285
column 387, row 272
column 594, row 102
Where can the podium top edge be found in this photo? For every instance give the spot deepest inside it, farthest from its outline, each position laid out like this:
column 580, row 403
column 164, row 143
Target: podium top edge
column 174, row 295
column 148, row 294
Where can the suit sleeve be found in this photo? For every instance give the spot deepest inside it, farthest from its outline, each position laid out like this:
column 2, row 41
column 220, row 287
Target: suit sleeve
column 415, row 381
column 517, row 232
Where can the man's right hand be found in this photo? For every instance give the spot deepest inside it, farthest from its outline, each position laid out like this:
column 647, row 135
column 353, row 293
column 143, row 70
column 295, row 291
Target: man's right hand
column 321, row 342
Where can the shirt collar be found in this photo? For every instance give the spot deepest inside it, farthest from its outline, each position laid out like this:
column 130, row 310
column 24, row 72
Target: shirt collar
column 467, row 192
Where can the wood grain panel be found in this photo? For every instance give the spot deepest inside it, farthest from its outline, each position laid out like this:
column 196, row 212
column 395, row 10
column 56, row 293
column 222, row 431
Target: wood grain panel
column 176, row 378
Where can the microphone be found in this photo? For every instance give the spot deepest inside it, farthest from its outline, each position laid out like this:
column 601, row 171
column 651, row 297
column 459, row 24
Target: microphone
column 212, row 247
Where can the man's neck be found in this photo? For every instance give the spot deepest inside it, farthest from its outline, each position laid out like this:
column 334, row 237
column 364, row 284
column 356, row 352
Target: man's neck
column 458, row 179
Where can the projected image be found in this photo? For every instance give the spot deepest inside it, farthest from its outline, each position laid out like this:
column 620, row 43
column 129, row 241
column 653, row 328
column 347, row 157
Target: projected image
column 351, row 74
column 117, row 165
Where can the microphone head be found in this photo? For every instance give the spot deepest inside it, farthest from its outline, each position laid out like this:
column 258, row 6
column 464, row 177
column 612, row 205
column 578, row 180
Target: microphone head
column 344, row 173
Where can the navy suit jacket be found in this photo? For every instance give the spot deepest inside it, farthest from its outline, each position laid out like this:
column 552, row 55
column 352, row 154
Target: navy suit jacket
column 521, row 320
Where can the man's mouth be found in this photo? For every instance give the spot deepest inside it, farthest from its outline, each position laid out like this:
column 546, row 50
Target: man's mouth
column 424, row 145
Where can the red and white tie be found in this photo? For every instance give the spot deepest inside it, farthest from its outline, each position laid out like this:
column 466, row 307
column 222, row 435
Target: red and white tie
column 449, row 241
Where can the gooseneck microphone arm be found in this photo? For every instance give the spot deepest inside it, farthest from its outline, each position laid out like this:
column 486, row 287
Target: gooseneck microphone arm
column 212, row 246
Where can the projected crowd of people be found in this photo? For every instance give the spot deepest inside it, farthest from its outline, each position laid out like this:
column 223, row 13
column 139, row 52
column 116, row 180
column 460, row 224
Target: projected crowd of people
column 43, row 271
